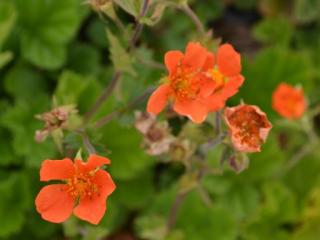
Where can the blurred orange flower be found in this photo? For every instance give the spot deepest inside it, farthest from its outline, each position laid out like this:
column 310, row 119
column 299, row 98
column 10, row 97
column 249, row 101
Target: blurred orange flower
column 289, row 101
column 248, row 127
column 196, row 83
column 84, row 190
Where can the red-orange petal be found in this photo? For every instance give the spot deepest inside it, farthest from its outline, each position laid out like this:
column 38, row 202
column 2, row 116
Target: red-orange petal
column 195, row 110
column 215, row 103
column 228, row 60
column 91, row 209
column 92, row 163
column 172, row 59
column 232, row 86
column 105, row 183
column 207, row 87
column 158, row 99
column 209, row 62
column 54, row 203
column 195, row 55
column 95, row 160
column 217, row 100
column 56, row 169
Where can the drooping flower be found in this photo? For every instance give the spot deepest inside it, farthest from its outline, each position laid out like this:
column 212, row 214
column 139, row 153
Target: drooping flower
column 197, row 83
column 157, row 137
column 83, row 190
column 289, row 101
column 248, row 127
column 55, row 119
column 185, row 84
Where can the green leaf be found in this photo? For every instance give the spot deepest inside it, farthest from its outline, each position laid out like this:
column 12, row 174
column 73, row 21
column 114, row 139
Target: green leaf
column 274, row 31
column 306, row 11
column 308, row 231
column 7, row 154
column 220, row 224
column 14, row 201
column 241, row 200
column 5, row 58
column 308, row 164
column 127, row 157
column 70, row 87
column 7, row 19
column 19, row 119
column 151, row 227
column 193, row 215
column 47, row 26
column 277, row 208
column 95, row 232
column 84, row 59
column 279, row 205
column 93, row 32
column 131, row 7
column 266, row 163
column 43, row 54
column 119, row 57
column 136, row 193
column 22, row 82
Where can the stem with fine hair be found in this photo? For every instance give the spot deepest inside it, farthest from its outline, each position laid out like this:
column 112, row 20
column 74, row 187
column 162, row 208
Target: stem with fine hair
column 172, row 218
column 195, row 19
column 117, row 75
column 86, row 142
column 104, row 120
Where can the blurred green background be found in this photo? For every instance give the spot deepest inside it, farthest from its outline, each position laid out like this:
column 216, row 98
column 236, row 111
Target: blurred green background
column 60, row 48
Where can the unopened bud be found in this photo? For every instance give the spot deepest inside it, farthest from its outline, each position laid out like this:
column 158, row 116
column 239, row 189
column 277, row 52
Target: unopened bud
column 239, row 162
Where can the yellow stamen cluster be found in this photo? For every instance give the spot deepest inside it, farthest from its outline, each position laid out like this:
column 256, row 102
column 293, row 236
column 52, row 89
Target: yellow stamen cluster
column 218, row 77
column 183, row 85
column 81, row 185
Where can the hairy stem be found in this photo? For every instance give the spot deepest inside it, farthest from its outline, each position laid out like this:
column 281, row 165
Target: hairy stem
column 172, row 218
column 203, row 150
column 86, row 142
column 307, row 125
column 104, row 120
column 117, row 75
column 306, row 149
column 218, row 122
column 105, row 94
column 190, row 13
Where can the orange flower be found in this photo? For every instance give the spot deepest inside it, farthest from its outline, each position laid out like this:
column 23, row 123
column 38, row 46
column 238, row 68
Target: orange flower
column 185, row 85
column 248, row 127
column 195, row 83
column 225, row 71
column 84, row 190
column 288, row 101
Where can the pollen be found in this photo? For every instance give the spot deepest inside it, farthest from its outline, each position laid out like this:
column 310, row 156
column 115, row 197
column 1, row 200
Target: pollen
column 81, row 185
column 218, row 78
column 183, row 84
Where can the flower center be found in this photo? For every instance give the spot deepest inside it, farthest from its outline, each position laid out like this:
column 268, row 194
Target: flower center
column 81, row 185
column 183, row 83
column 249, row 124
column 218, row 77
